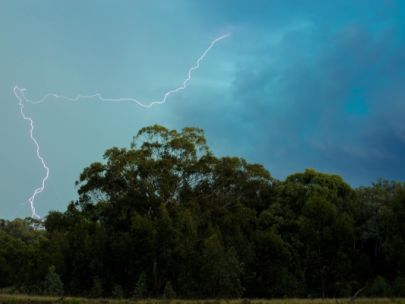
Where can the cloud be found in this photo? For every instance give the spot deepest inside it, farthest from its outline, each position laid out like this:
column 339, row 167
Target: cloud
column 325, row 97
column 299, row 84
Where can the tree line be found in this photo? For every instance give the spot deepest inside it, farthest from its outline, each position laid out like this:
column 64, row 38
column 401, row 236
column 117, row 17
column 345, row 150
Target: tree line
column 167, row 218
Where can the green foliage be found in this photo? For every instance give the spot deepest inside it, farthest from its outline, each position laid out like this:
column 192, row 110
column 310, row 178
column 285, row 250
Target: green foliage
column 399, row 287
column 97, row 288
column 168, row 292
column 117, row 291
column 167, row 215
column 141, row 289
column 379, row 288
column 223, row 269
column 53, row 285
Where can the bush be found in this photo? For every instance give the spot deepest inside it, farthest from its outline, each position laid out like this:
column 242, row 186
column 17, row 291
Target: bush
column 169, row 292
column 117, row 291
column 379, row 288
column 399, row 287
column 97, row 288
column 141, row 288
column 53, row 284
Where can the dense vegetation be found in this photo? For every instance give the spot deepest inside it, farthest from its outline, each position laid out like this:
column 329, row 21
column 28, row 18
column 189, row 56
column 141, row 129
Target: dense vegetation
column 168, row 218
column 41, row 299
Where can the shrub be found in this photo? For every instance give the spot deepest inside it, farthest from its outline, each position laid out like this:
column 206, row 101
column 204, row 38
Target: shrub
column 53, row 284
column 117, row 291
column 141, row 288
column 97, row 288
column 169, row 292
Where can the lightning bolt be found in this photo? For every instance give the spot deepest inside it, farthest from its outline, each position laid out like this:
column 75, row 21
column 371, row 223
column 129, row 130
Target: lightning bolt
column 130, row 99
column 40, row 189
column 21, row 97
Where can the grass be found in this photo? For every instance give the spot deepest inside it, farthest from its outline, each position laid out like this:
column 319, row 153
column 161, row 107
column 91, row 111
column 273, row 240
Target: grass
column 19, row 299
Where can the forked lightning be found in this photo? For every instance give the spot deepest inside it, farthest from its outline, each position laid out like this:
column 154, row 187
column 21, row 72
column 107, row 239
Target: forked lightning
column 21, row 97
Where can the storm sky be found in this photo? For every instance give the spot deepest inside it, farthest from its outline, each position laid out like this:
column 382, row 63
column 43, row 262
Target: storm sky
column 299, row 84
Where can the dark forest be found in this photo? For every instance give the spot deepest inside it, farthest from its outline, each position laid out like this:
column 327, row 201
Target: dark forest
column 167, row 218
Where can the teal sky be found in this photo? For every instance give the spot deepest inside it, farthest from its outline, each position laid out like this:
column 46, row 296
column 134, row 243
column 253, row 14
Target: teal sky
column 298, row 84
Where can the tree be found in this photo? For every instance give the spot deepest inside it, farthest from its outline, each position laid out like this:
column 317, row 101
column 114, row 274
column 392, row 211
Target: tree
column 117, row 291
column 220, row 270
column 97, row 288
column 53, row 284
column 141, row 193
column 168, row 292
column 141, row 289
column 169, row 215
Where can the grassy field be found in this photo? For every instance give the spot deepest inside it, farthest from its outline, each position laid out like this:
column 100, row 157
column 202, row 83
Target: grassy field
column 11, row 298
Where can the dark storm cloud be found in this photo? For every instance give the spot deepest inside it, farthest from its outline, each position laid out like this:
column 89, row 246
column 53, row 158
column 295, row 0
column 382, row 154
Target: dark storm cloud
column 330, row 98
column 315, row 85
column 298, row 84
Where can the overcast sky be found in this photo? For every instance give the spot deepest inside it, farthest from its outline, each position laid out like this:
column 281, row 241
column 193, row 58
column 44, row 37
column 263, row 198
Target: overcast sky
column 298, row 84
